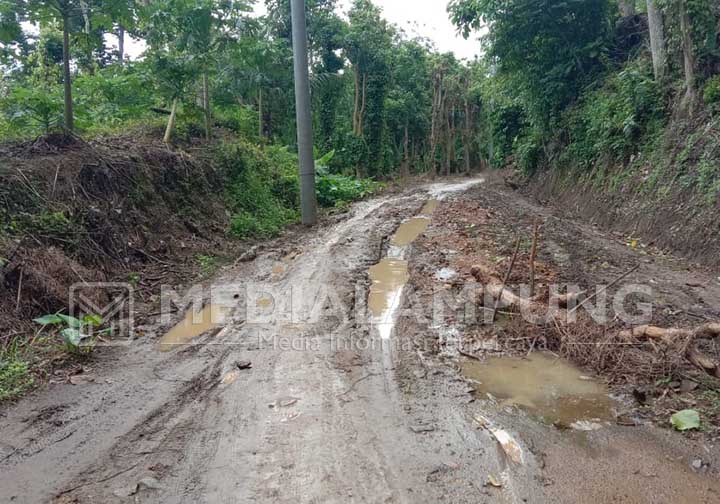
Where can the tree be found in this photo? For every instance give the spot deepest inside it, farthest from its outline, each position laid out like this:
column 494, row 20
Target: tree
column 368, row 45
column 688, row 56
column 65, row 12
column 657, row 39
column 552, row 50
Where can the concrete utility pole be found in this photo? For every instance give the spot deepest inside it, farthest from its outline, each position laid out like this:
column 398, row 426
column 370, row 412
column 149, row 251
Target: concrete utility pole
column 308, row 198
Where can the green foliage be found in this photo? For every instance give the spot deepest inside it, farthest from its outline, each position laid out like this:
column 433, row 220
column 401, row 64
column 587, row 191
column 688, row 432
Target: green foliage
column 258, row 192
column 51, row 226
column 15, row 377
column 207, row 264
column 711, row 93
column 113, row 97
column 549, row 49
column 339, row 190
column 610, row 122
column 75, row 333
column 29, row 110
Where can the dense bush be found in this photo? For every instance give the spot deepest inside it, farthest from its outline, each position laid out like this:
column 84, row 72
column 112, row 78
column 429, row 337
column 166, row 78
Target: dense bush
column 263, row 188
column 252, row 194
column 611, row 121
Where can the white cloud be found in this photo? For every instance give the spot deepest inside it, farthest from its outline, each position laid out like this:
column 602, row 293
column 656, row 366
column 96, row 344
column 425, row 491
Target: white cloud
column 427, row 18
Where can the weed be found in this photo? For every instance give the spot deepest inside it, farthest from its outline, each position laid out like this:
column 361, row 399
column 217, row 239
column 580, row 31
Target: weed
column 15, row 377
column 207, row 264
column 134, row 279
column 76, row 334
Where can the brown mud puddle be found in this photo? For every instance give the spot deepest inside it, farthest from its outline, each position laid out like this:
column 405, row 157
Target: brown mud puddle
column 193, row 325
column 390, row 275
column 388, row 280
column 409, row 231
column 545, row 386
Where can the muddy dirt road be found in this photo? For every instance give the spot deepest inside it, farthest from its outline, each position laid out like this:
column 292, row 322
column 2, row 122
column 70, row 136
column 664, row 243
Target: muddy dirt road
column 291, row 396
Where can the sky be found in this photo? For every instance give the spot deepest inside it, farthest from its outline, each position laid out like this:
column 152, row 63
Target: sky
column 426, row 18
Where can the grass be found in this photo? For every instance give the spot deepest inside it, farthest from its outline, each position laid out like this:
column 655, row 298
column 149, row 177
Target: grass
column 15, row 375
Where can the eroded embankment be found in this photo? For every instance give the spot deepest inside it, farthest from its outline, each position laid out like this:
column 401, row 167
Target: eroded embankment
column 667, row 195
column 123, row 211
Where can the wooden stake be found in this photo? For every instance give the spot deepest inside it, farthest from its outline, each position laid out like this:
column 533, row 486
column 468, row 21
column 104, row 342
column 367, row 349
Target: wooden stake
column 533, row 256
column 505, row 281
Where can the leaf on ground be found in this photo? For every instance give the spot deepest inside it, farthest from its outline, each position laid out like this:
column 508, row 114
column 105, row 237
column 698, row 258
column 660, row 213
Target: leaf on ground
column 686, row 420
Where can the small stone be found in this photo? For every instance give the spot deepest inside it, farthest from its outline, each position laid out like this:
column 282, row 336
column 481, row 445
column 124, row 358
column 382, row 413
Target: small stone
column 697, row 464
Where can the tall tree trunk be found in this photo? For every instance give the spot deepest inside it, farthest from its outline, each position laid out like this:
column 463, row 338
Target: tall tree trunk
column 405, row 165
column 688, row 57
column 627, row 7
column 435, row 122
column 657, row 39
column 466, row 137
column 85, row 9
column 361, row 116
column 121, row 44
column 171, row 122
column 261, row 114
column 67, row 82
column 206, row 107
column 356, row 104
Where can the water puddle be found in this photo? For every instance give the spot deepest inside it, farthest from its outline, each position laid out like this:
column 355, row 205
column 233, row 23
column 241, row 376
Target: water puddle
column 388, row 279
column 193, row 325
column 391, row 274
column 430, row 207
column 545, row 386
column 409, row 231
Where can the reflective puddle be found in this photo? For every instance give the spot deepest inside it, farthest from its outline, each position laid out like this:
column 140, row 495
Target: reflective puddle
column 193, row 325
column 391, row 274
column 409, row 231
column 545, row 386
column 388, row 279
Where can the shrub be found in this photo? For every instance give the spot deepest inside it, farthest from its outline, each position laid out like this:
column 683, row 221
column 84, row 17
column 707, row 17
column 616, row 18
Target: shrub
column 32, row 110
column 338, row 190
column 259, row 190
column 612, row 120
column 711, row 92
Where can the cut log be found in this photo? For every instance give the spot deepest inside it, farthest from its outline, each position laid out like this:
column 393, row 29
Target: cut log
column 646, row 332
